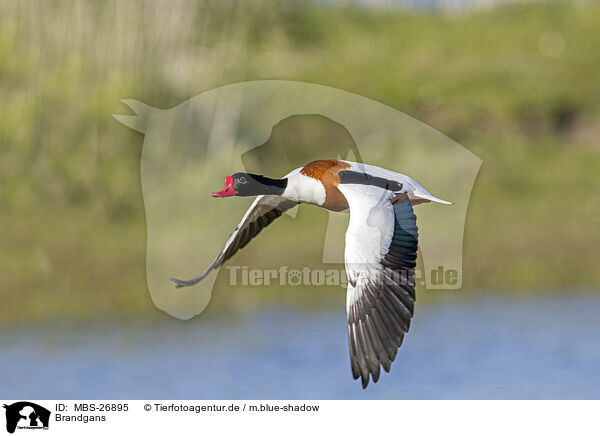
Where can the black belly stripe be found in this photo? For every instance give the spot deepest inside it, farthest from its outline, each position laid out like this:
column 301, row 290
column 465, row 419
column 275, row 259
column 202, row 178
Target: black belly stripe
column 358, row 178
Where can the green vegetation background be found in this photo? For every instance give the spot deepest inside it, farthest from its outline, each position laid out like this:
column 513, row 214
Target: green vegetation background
column 518, row 85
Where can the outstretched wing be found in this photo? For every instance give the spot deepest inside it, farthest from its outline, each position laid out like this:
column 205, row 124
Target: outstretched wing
column 409, row 186
column 380, row 256
column 263, row 211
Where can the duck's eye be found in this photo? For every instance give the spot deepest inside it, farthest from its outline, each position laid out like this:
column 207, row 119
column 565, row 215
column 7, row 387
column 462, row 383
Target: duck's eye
column 242, row 179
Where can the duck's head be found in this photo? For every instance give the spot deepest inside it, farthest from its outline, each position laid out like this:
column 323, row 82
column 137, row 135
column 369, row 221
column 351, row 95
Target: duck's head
column 248, row 185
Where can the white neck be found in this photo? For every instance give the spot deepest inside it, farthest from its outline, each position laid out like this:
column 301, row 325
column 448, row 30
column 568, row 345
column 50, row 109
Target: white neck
column 304, row 189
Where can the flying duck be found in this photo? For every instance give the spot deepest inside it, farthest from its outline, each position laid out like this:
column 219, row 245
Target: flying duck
column 381, row 244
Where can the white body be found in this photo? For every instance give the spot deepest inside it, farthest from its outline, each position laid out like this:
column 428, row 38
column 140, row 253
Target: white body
column 304, row 189
column 308, row 190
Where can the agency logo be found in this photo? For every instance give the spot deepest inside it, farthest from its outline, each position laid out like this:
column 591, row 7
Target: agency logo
column 26, row 415
column 271, row 127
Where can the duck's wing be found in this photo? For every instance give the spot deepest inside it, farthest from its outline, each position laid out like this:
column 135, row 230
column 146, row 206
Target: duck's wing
column 263, row 211
column 415, row 191
column 380, row 257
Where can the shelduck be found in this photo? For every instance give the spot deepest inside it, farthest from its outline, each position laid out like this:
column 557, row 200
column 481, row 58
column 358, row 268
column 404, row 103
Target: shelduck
column 381, row 245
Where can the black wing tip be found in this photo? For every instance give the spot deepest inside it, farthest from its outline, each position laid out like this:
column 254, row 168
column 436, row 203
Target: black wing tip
column 180, row 283
column 365, row 382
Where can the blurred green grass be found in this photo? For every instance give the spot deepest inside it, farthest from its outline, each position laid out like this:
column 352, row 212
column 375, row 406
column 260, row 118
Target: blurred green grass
column 517, row 84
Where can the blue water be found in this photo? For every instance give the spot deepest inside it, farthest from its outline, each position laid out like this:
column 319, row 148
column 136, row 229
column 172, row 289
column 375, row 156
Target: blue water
column 482, row 348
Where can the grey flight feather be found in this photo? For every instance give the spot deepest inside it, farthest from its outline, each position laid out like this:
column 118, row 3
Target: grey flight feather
column 264, row 210
column 380, row 316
